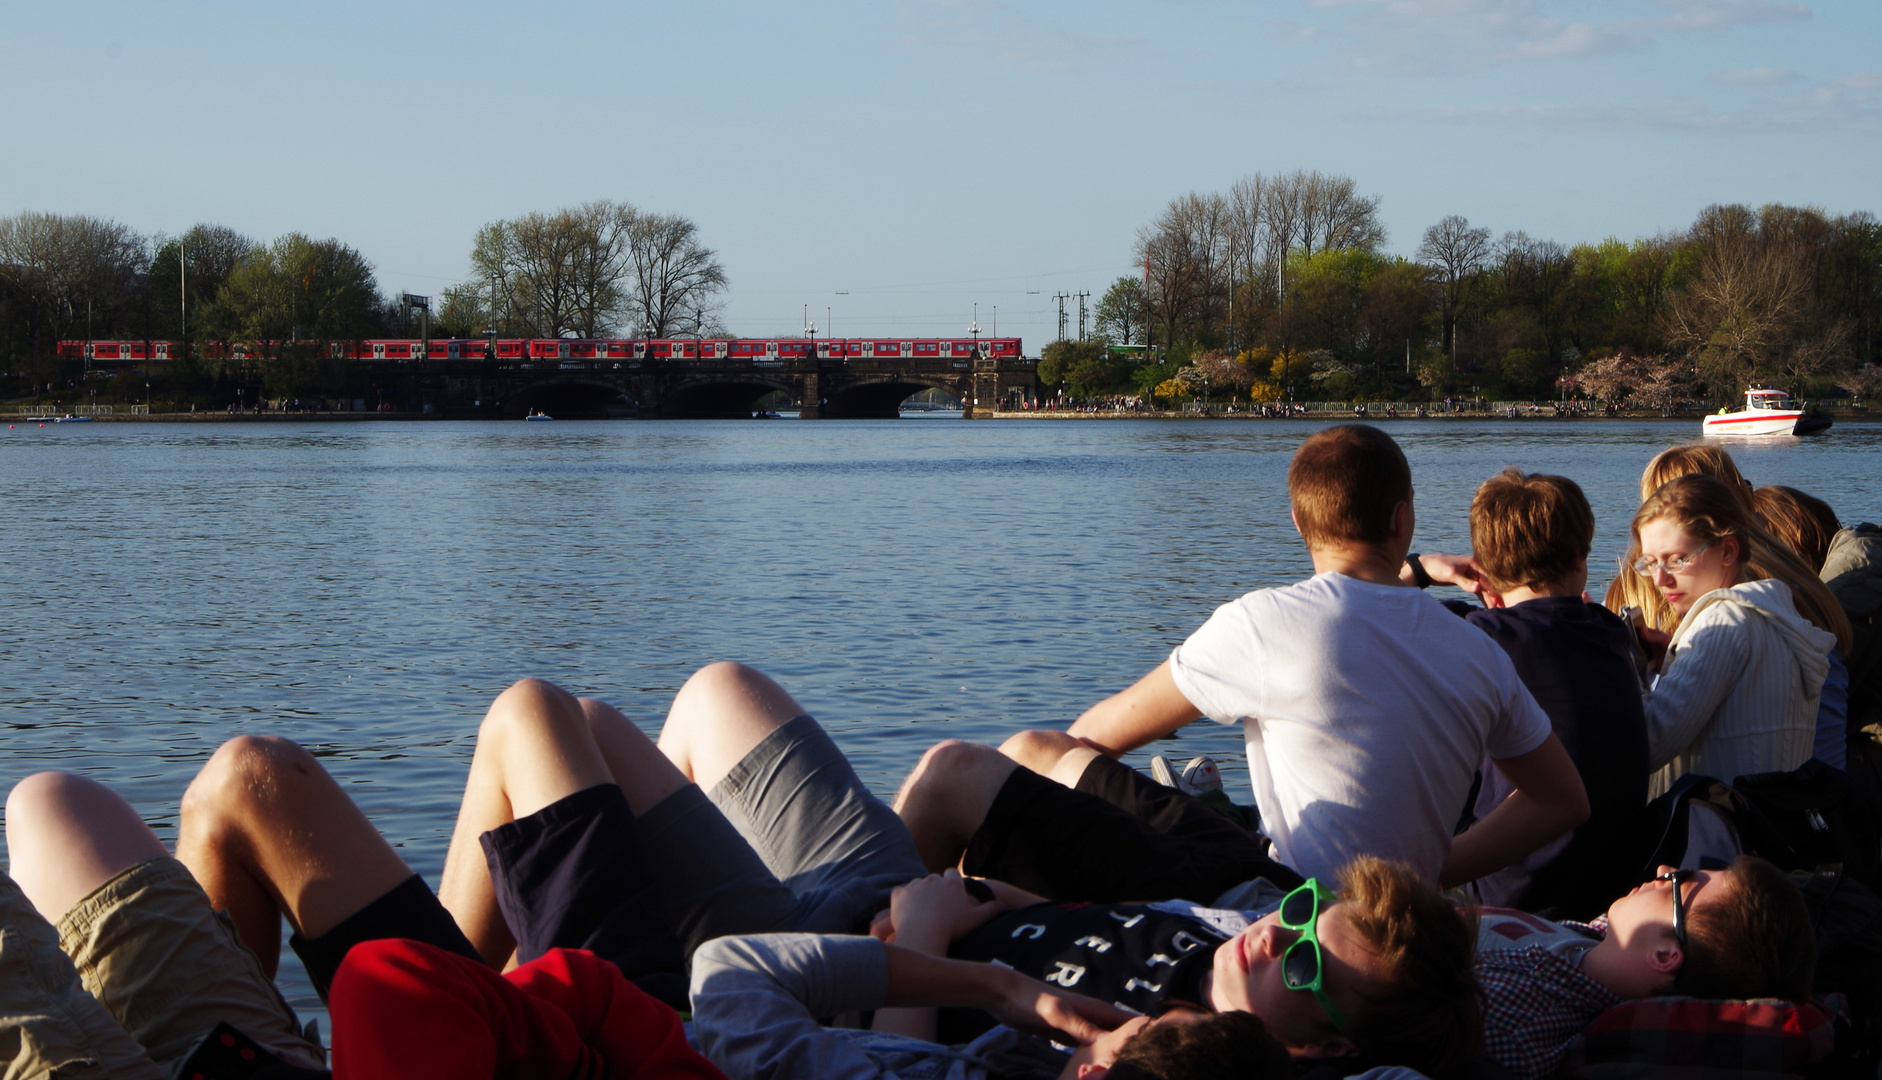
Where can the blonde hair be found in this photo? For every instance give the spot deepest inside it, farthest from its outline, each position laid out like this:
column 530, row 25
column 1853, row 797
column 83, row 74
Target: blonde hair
column 1708, row 510
column 1704, row 459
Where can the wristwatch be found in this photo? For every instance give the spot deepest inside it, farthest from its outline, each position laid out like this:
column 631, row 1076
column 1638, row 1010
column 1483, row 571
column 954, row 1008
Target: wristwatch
column 1419, row 577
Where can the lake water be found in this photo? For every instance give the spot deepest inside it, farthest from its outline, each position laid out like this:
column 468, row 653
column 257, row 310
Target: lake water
column 366, row 589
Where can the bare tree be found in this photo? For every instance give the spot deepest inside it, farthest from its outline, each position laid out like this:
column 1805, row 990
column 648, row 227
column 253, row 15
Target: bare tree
column 78, row 272
column 1748, row 307
column 1184, row 253
column 675, row 281
column 1456, row 252
column 554, row 274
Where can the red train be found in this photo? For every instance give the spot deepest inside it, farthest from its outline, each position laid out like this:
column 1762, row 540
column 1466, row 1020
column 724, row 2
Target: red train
column 759, row 351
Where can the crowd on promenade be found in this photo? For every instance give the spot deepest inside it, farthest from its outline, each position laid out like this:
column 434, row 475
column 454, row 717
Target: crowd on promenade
column 1457, row 860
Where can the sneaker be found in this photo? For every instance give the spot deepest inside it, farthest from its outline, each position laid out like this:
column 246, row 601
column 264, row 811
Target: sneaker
column 1161, row 772
column 1200, row 776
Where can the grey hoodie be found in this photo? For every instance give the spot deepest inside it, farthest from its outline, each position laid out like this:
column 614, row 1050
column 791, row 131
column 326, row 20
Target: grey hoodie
column 756, row 1000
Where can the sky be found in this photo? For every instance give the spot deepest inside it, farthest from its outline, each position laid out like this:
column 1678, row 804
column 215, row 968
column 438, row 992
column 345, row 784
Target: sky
column 905, row 167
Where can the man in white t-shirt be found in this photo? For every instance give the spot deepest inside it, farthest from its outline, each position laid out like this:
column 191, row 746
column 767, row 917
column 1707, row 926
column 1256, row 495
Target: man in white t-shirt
column 1367, row 708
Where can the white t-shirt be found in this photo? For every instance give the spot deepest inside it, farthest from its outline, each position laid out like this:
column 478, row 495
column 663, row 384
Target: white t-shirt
column 1366, row 708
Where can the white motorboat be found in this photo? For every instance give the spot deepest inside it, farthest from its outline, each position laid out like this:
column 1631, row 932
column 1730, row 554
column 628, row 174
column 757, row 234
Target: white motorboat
column 1767, row 412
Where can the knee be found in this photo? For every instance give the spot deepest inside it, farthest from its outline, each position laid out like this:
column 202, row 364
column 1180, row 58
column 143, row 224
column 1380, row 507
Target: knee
column 1038, row 750
column 49, row 796
column 722, row 678
column 943, row 766
column 244, row 775
column 530, row 708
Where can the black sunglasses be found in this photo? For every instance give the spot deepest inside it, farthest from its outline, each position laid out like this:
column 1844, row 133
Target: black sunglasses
column 1679, row 878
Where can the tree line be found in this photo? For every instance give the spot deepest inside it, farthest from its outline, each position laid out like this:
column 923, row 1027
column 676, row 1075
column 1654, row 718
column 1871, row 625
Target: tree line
column 597, row 270
column 1279, row 288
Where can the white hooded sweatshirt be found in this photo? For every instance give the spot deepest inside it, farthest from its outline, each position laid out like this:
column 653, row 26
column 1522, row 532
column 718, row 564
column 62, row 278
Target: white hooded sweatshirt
column 1738, row 693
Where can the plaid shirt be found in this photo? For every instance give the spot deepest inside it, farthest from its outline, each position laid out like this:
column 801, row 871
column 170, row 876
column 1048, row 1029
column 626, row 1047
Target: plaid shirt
column 1536, row 1002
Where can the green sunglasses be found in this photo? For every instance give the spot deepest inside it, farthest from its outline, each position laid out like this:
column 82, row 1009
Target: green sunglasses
column 1302, row 966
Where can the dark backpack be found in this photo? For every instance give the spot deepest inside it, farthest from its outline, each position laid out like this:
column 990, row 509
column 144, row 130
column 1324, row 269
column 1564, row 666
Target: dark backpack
column 1810, row 818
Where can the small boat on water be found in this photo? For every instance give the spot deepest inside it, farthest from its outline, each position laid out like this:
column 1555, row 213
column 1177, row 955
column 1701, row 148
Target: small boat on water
column 539, row 415
column 68, row 418
column 1768, row 412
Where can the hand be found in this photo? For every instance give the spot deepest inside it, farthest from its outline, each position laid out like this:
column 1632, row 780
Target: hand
column 930, row 913
column 1028, row 1005
column 1459, row 570
column 1655, row 642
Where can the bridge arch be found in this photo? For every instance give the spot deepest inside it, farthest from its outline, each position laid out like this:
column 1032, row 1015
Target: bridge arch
column 567, row 398
column 721, row 396
column 880, row 398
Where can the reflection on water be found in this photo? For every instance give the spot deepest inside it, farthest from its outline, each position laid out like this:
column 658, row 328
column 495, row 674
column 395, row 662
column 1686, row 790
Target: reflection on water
column 366, row 589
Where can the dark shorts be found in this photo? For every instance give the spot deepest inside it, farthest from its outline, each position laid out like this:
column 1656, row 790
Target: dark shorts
column 1119, row 836
column 575, row 875
column 410, row 910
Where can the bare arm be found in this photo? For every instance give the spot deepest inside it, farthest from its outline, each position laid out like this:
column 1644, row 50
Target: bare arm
column 1150, row 709
column 1548, row 801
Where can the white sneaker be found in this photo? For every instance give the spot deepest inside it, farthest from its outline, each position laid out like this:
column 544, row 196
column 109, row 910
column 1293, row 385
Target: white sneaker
column 1200, row 776
column 1197, row 777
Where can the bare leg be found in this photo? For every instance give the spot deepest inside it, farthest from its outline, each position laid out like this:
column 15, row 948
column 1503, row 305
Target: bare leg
column 947, row 796
column 1052, row 754
column 539, row 744
column 69, row 835
column 267, row 832
column 721, row 713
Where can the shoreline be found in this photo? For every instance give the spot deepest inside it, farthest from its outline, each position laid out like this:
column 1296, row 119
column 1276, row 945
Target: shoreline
column 1326, row 415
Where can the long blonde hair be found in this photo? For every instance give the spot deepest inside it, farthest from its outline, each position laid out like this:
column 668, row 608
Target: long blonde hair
column 1706, row 459
column 1710, row 510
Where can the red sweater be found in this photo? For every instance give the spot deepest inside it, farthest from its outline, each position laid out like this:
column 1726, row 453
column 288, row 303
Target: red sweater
column 403, row 1009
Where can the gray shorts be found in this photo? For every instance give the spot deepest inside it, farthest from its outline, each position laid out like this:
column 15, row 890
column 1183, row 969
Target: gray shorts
column 789, row 841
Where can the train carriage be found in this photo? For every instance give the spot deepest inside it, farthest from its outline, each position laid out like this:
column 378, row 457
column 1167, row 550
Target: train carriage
column 765, row 351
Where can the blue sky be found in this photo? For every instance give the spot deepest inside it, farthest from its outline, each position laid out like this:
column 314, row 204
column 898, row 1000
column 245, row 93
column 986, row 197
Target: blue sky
column 897, row 163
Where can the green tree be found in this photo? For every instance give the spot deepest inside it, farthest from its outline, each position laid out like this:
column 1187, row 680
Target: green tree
column 292, row 300
column 1084, row 368
column 1124, row 312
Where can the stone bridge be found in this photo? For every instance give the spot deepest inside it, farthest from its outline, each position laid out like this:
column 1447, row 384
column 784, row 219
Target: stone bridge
column 820, row 387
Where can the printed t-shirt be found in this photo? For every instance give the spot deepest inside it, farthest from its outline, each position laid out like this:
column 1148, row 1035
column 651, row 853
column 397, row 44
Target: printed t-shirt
column 1136, row 956
column 1366, row 709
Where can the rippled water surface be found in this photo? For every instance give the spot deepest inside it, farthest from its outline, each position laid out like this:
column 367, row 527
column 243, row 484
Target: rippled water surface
column 366, row 589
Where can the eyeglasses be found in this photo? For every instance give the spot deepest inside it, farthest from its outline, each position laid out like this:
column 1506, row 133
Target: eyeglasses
column 1678, row 878
column 1303, row 966
column 1678, row 564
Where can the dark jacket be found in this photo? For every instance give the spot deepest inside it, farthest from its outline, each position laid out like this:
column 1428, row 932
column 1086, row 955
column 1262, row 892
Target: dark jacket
column 1577, row 659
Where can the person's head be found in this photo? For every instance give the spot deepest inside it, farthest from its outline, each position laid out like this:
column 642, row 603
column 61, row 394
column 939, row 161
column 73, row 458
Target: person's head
column 1531, row 530
column 1805, row 523
column 1350, row 486
column 1184, row 1044
column 1704, row 459
column 1395, row 963
column 1747, row 934
column 1694, row 536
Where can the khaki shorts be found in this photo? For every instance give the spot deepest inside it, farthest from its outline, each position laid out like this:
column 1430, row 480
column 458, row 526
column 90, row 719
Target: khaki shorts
column 49, row 1025
column 169, row 967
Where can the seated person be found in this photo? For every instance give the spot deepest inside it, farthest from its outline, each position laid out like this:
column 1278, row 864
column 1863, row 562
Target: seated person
column 1367, row 709
column 1728, row 934
column 1530, row 536
column 1808, row 526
